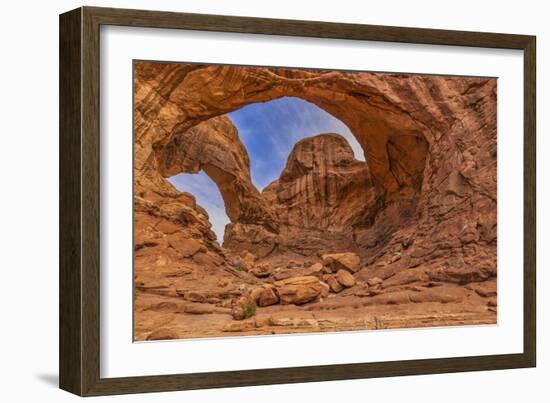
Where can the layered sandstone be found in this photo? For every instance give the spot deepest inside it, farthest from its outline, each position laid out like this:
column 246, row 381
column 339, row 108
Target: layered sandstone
column 321, row 195
column 418, row 216
column 322, row 187
column 215, row 147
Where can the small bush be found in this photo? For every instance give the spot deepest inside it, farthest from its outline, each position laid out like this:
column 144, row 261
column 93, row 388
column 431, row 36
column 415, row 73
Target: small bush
column 250, row 310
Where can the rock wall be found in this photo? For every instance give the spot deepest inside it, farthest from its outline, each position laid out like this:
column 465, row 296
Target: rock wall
column 214, row 146
column 322, row 186
column 322, row 194
column 428, row 188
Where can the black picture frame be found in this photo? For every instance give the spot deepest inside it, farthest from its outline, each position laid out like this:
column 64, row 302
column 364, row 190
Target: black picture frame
column 79, row 346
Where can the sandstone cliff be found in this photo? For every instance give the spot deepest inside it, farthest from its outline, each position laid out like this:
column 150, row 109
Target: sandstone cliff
column 322, row 186
column 215, row 147
column 419, row 214
column 322, row 194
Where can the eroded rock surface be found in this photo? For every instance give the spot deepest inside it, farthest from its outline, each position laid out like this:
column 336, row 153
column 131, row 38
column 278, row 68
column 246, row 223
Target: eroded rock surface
column 322, row 187
column 406, row 238
column 215, row 147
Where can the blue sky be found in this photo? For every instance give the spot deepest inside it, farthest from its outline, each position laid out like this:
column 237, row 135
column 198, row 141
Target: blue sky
column 269, row 131
column 208, row 197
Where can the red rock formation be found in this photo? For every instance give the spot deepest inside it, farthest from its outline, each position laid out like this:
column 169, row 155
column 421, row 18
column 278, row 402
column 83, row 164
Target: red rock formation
column 420, row 212
column 322, row 187
column 215, row 147
column 322, row 193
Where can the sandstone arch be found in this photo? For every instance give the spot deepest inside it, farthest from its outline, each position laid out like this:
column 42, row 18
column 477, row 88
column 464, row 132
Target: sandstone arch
column 214, row 146
column 176, row 98
column 430, row 139
column 430, row 143
column 322, row 189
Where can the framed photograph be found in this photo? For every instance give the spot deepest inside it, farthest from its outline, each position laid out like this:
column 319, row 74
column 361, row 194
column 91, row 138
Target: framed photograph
column 250, row 201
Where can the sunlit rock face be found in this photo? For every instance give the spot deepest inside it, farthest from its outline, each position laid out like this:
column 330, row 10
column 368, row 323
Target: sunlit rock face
column 371, row 105
column 398, row 119
column 322, row 186
column 420, row 212
column 214, row 147
column 321, row 195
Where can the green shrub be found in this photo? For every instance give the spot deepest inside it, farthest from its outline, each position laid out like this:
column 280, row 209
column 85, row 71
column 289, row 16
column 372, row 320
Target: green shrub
column 250, row 310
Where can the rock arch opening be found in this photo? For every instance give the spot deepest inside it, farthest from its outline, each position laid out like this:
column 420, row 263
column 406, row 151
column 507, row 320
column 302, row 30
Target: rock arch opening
column 394, row 144
column 207, row 195
column 269, row 130
column 416, row 222
column 320, row 197
column 267, row 140
column 371, row 106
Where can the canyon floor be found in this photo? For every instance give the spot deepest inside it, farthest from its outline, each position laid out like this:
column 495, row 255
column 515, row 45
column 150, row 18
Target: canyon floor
column 188, row 301
column 406, row 238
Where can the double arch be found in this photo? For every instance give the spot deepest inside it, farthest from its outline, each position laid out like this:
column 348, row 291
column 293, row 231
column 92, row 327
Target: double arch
column 177, row 98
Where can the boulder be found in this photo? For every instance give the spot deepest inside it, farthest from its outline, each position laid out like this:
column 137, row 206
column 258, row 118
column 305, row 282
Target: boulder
column 314, row 270
column 193, row 296
column 245, row 261
column 345, row 278
column 241, row 305
column 342, row 261
column 265, row 295
column 248, row 259
column 333, row 283
column 325, row 289
column 299, row 290
column 262, row 270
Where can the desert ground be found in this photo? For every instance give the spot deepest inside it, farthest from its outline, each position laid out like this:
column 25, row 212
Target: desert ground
column 406, row 238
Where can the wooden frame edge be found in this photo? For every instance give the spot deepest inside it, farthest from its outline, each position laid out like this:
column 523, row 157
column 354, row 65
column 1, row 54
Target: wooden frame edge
column 79, row 201
column 70, row 124
column 530, row 202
